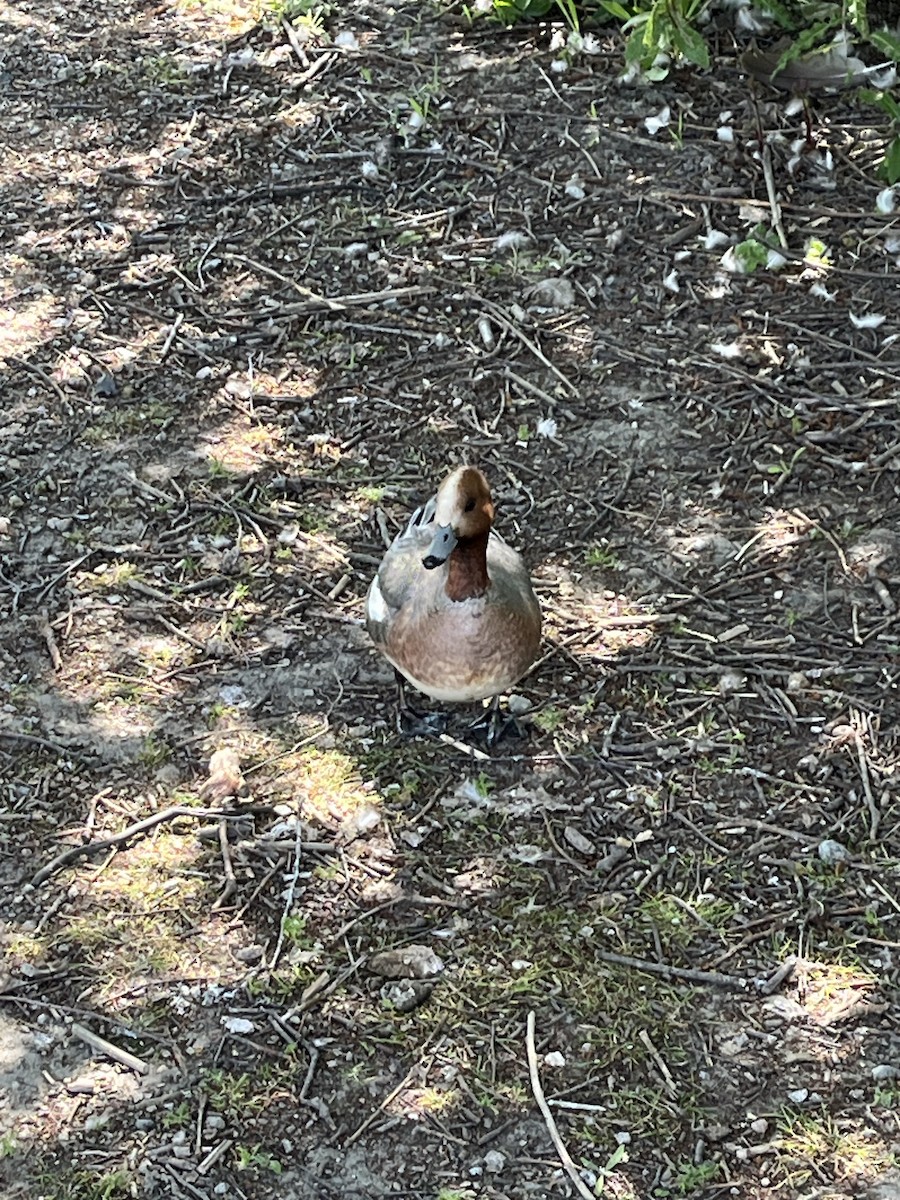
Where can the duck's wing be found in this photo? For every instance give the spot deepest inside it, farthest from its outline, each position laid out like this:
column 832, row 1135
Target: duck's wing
column 401, row 572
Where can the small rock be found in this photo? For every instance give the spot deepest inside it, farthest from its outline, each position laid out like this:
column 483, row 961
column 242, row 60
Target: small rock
column 238, row 1025
column 407, row 962
column 798, row 1095
column 760, row 1126
column 555, row 1059
column 494, row 1161
column 405, row 995
column 518, row 705
column 249, row 954
column 833, row 853
column 885, row 1071
column 623, row 1137
column 578, row 841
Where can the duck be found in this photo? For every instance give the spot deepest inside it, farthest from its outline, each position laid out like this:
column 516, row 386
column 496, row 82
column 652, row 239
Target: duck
column 452, row 607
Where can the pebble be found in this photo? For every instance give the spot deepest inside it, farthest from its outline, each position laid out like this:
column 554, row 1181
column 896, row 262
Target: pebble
column 760, row 1126
column 798, row 1095
column 494, row 1161
column 831, row 852
column 885, row 1071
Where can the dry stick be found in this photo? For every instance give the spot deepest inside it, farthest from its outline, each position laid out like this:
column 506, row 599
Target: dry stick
column 360, row 1130
column 564, row 1157
column 230, row 880
column 774, row 204
column 42, row 623
column 167, row 814
column 871, row 804
column 35, row 370
column 171, row 336
column 713, row 978
column 501, row 318
column 289, row 898
column 107, row 1048
column 671, row 1086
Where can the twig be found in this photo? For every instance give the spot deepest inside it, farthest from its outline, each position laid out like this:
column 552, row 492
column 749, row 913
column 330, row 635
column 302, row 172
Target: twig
column 778, row 976
column 30, row 739
column 289, row 898
column 35, row 370
column 104, row 1047
column 214, row 1155
column 171, row 335
column 671, row 1086
column 392, row 1095
column 829, row 537
column 564, row 1156
column 116, row 839
column 230, row 881
column 712, row 978
column 871, row 804
column 42, row 622
column 774, row 204
column 501, row 318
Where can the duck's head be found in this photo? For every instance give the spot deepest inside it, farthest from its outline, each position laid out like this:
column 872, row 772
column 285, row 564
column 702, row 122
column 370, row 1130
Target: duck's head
column 463, row 511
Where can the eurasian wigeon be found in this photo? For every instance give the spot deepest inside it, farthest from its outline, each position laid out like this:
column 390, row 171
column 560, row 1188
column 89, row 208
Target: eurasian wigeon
column 452, row 606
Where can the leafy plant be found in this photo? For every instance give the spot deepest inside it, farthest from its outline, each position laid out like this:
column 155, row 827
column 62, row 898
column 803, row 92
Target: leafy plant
column 890, row 166
column 660, row 30
column 510, row 12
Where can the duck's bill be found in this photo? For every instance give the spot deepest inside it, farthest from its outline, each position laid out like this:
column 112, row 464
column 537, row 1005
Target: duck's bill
column 440, row 549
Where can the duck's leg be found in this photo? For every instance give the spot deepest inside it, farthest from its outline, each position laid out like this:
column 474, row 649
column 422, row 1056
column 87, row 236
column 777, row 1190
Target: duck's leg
column 412, row 722
column 493, row 725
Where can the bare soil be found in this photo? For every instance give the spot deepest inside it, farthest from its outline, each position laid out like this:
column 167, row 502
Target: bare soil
column 261, row 285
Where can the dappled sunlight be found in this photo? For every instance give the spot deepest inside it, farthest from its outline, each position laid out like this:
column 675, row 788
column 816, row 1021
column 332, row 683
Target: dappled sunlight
column 284, row 281
column 241, row 446
column 834, row 992
column 23, row 329
column 134, row 917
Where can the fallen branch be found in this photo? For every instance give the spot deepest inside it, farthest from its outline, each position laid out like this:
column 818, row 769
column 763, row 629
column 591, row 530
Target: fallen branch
column 227, row 866
column 713, row 978
column 116, row 839
column 564, row 1156
column 104, row 1047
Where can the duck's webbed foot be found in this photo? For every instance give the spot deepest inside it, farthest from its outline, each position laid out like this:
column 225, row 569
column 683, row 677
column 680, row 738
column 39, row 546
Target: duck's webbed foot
column 493, row 725
column 412, row 721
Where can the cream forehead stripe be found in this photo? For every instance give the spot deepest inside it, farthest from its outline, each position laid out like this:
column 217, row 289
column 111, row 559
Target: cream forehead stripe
column 452, row 495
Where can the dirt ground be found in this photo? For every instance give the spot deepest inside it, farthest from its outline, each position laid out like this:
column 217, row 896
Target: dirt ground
column 261, row 284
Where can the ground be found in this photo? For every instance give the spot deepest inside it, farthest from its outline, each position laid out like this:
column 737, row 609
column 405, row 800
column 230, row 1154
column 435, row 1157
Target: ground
column 261, row 284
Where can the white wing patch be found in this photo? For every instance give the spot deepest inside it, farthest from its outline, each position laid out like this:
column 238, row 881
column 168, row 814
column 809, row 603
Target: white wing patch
column 376, row 608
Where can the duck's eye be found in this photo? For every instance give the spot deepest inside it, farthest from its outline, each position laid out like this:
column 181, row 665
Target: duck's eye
column 470, row 506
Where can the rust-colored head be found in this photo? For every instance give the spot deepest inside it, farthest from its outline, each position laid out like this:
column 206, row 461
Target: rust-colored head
column 464, row 511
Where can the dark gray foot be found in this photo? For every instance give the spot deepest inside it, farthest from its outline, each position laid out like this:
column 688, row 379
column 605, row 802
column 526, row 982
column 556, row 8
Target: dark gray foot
column 412, row 722
column 493, row 726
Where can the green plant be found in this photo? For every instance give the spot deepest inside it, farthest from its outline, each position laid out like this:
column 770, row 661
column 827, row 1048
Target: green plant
column 601, row 556
column 660, row 30
column 510, row 12
column 549, row 719
column 889, row 169
column 254, row 1157
column 692, row 1177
